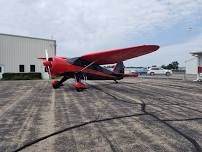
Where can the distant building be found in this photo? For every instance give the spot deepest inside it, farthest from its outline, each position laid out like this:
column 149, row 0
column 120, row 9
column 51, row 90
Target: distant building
column 194, row 65
column 19, row 54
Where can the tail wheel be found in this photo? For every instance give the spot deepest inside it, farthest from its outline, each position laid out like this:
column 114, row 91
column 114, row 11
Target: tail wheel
column 116, row 81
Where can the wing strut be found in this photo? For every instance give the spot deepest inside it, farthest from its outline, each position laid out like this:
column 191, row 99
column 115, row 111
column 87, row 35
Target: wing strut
column 87, row 66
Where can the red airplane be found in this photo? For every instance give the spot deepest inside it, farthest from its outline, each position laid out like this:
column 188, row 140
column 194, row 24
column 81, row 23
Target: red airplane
column 88, row 66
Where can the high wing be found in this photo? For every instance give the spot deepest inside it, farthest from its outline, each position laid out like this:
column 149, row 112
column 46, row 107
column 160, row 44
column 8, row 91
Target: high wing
column 118, row 55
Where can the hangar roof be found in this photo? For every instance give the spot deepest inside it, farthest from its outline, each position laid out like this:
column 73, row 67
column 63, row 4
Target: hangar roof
column 29, row 37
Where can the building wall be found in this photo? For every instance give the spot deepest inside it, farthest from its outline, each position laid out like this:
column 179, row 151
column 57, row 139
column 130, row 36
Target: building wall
column 16, row 50
column 200, row 64
column 200, row 60
column 191, row 66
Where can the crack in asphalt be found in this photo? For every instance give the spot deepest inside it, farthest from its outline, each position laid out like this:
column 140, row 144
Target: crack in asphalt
column 143, row 109
column 74, row 127
column 144, row 112
column 182, row 105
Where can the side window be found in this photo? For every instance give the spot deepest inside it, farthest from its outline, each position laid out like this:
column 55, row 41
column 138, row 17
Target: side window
column 32, row 68
column 155, row 68
column 21, row 68
column 0, row 69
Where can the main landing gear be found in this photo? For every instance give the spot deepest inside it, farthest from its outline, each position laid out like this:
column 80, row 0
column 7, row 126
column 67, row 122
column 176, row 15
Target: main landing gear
column 56, row 84
column 78, row 84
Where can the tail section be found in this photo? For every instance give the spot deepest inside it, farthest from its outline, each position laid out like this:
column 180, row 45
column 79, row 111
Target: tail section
column 119, row 68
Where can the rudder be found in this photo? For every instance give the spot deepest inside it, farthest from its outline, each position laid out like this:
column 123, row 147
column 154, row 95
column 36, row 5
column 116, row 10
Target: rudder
column 119, row 68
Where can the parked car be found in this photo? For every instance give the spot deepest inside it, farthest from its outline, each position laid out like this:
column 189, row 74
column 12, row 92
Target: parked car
column 141, row 70
column 134, row 73
column 159, row 71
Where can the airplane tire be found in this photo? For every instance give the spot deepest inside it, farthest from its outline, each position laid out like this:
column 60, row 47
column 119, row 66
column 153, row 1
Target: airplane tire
column 55, row 84
column 55, row 87
column 116, row 81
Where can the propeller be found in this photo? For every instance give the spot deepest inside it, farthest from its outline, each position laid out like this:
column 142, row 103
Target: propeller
column 46, row 52
column 47, row 64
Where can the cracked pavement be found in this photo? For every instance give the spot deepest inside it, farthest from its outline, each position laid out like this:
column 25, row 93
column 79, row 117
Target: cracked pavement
column 134, row 115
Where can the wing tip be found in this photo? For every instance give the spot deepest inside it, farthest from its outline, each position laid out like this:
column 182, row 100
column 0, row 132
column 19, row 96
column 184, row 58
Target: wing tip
column 154, row 47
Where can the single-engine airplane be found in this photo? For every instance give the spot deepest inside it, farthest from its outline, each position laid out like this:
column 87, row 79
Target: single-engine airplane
column 87, row 67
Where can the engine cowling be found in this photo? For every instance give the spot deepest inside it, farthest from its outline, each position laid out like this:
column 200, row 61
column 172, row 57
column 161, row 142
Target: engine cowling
column 47, row 63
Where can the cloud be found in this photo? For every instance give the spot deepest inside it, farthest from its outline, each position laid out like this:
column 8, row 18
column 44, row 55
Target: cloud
column 92, row 25
column 165, row 55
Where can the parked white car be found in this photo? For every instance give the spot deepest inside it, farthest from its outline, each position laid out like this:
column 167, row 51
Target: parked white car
column 159, row 71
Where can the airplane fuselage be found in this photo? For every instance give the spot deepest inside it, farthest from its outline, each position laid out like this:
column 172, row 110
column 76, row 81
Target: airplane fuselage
column 76, row 66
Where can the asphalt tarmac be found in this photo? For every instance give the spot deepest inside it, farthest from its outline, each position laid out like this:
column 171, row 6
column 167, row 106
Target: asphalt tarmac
column 135, row 115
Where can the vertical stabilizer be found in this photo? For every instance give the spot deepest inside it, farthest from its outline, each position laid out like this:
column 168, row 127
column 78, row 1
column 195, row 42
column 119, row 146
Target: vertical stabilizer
column 119, row 68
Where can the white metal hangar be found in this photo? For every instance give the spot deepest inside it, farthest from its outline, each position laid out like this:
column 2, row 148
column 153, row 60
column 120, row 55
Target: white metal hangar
column 198, row 56
column 194, row 65
column 19, row 54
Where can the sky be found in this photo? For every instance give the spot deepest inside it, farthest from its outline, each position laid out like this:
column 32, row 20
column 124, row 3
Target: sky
column 85, row 26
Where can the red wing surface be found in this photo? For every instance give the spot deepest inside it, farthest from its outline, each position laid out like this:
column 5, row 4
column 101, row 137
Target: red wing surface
column 117, row 55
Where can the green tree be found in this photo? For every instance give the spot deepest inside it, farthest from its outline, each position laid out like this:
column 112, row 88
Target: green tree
column 175, row 65
column 164, row 66
column 172, row 66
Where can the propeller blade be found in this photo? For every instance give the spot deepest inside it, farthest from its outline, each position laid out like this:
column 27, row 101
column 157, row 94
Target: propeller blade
column 49, row 72
column 46, row 52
